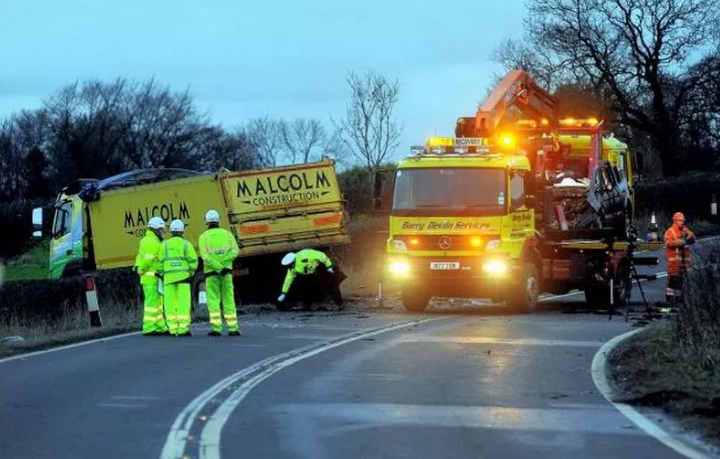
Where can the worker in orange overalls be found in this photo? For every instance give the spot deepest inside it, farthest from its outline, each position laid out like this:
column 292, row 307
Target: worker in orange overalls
column 678, row 239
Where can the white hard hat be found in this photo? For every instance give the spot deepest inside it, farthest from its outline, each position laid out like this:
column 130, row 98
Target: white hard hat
column 177, row 226
column 212, row 216
column 156, row 223
column 288, row 259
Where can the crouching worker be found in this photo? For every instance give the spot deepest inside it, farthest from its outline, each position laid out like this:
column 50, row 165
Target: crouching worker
column 178, row 262
column 147, row 265
column 317, row 278
column 218, row 249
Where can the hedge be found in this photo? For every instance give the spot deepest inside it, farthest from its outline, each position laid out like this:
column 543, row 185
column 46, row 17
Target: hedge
column 23, row 302
column 690, row 194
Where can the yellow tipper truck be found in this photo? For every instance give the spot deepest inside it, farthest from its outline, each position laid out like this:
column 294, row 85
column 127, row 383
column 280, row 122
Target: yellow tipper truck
column 97, row 224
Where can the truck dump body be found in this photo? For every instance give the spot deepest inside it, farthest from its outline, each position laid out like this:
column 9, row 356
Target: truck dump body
column 285, row 209
column 119, row 218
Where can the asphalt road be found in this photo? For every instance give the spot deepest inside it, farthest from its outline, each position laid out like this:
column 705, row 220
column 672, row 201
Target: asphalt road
column 461, row 380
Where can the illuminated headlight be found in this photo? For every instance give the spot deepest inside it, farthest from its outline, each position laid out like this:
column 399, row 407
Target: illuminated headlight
column 399, row 245
column 493, row 245
column 495, row 267
column 399, row 268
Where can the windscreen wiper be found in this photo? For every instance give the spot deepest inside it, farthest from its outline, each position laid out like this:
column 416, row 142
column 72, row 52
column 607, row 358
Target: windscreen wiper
column 432, row 205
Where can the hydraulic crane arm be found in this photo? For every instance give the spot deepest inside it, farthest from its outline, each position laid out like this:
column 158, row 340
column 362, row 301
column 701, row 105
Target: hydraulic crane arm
column 516, row 97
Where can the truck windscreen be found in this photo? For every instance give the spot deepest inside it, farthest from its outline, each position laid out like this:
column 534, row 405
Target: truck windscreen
column 450, row 191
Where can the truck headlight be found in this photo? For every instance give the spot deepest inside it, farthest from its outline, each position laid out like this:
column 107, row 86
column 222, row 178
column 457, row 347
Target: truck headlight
column 495, row 267
column 399, row 245
column 399, row 268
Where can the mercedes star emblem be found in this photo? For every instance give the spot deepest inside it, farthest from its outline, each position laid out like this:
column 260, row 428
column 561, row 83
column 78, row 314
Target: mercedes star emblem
column 445, row 242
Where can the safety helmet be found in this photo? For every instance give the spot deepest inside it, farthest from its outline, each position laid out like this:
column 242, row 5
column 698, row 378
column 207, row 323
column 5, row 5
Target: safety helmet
column 177, row 226
column 288, row 259
column 212, row 216
column 678, row 216
column 156, row 223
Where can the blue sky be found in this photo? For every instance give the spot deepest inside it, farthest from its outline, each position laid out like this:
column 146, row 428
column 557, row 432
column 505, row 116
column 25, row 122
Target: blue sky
column 284, row 59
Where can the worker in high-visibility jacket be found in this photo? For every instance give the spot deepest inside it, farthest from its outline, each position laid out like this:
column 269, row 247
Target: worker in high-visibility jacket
column 317, row 275
column 146, row 265
column 678, row 239
column 178, row 262
column 218, row 249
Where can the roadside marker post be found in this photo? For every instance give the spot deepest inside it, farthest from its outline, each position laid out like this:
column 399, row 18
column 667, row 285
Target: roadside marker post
column 92, row 301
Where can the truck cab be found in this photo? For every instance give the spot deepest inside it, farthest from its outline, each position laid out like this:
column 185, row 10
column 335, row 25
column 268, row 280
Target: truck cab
column 461, row 219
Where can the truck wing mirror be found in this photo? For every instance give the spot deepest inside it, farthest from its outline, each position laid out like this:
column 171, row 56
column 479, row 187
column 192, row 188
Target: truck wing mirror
column 383, row 186
column 37, row 218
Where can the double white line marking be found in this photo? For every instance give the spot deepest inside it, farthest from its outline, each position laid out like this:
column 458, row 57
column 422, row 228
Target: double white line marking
column 208, row 444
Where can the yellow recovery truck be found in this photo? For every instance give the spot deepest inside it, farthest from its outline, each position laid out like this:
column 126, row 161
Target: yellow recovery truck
column 97, row 224
column 463, row 223
column 520, row 202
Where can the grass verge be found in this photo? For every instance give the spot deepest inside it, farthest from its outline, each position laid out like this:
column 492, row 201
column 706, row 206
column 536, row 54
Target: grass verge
column 31, row 265
column 72, row 327
column 650, row 369
column 675, row 364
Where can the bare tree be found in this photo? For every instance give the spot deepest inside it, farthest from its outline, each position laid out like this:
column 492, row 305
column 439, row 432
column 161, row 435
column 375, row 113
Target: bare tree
column 369, row 129
column 268, row 136
column 231, row 150
column 303, row 138
column 627, row 51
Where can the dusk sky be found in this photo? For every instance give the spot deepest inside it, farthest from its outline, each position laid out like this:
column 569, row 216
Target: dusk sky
column 284, row 59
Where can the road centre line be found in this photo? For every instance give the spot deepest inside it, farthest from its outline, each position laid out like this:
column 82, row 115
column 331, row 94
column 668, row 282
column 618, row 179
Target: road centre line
column 416, row 338
column 178, row 437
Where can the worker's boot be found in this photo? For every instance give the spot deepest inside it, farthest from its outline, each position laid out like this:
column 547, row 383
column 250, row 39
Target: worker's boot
column 235, row 333
column 214, row 333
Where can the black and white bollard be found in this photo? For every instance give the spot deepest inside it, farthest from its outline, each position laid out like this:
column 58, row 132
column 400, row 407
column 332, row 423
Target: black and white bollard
column 92, row 301
column 713, row 205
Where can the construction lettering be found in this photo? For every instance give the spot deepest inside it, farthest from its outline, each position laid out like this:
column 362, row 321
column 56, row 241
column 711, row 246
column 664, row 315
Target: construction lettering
column 282, row 183
column 141, row 215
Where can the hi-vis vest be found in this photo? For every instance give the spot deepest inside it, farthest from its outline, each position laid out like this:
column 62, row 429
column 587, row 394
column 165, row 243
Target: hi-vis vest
column 146, row 261
column 678, row 257
column 306, row 262
column 178, row 260
column 218, row 249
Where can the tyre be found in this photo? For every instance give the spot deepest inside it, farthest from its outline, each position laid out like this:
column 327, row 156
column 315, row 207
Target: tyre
column 415, row 299
column 524, row 297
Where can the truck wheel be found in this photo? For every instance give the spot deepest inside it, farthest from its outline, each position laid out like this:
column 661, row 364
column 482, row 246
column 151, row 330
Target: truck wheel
column 415, row 299
column 598, row 296
column 524, row 298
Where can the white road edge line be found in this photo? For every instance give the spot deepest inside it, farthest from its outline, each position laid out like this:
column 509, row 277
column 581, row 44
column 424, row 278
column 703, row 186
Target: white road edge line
column 67, row 346
column 178, row 437
column 661, row 274
column 599, row 376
